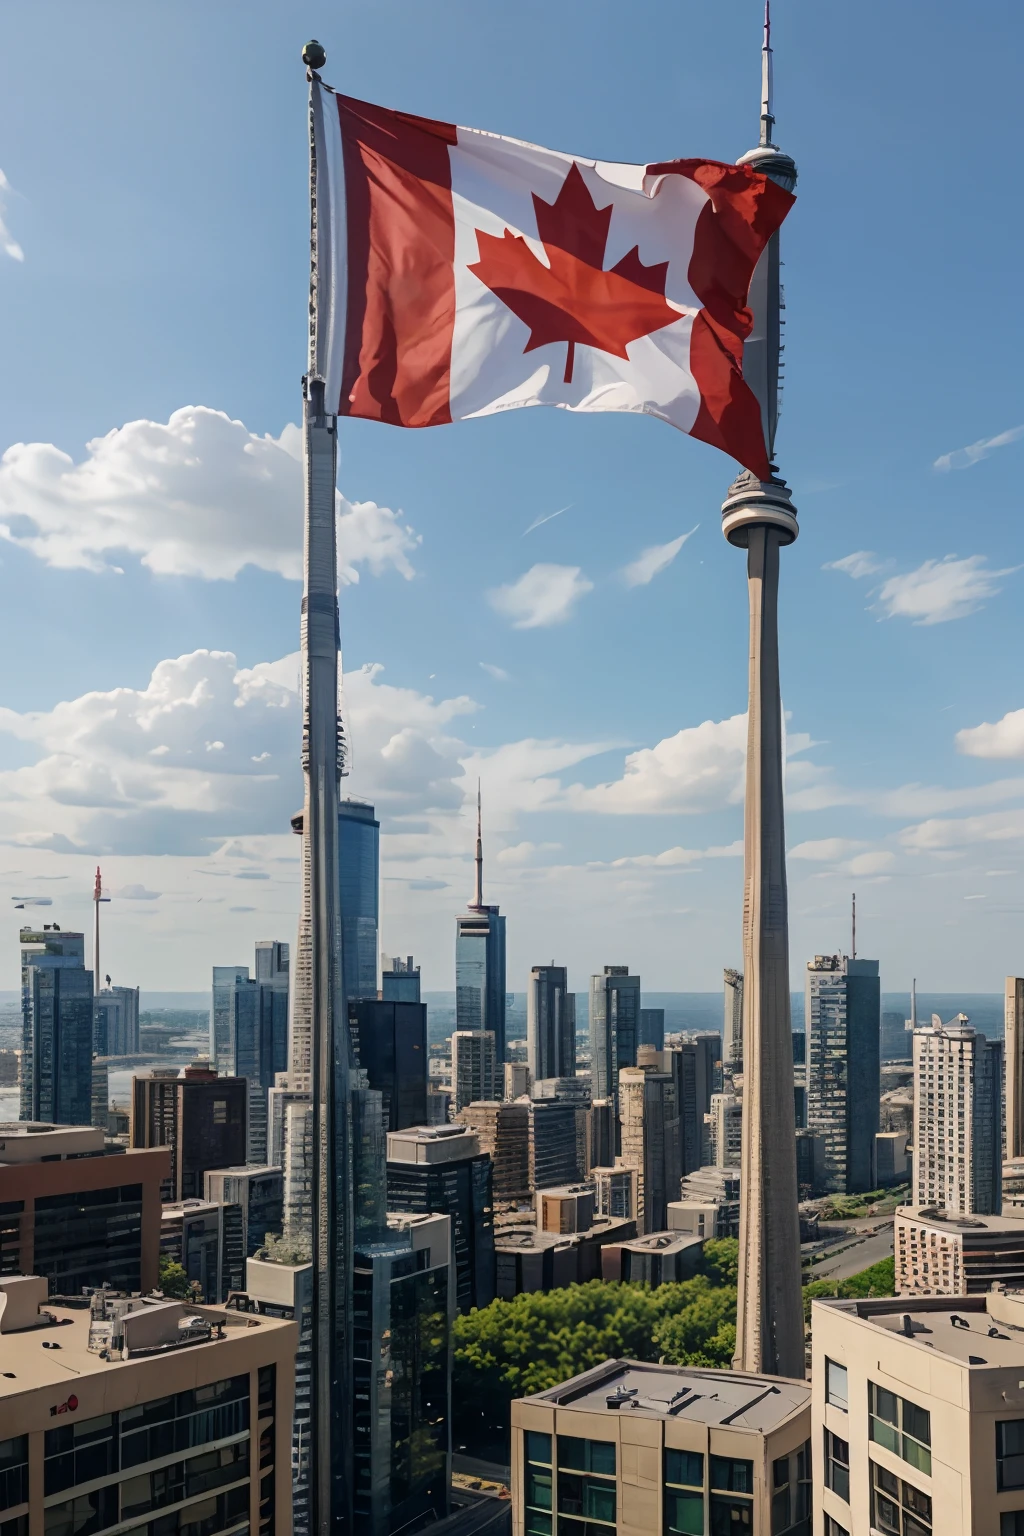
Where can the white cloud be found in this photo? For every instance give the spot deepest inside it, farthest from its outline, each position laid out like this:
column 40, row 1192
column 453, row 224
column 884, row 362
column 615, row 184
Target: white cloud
column 7, row 240
column 964, row 458
column 518, row 854
column 940, row 590
column 863, row 562
column 1005, row 738
column 498, row 673
column 198, row 495
column 825, row 850
column 654, row 560
column 544, row 595
column 871, row 863
column 699, row 768
column 937, row 835
column 675, row 858
column 136, row 893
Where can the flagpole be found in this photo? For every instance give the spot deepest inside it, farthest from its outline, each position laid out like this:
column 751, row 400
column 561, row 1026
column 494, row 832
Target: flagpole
column 331, row 1363
column 759, row 516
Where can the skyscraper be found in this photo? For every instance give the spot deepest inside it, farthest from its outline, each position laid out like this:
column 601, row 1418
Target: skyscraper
column 550, row 1023
column 390, row 1043
column 473, row 1066
column 480, row 960
column 201, row 1117
column 652, row 1028
column 614, row 1027
column 726, row 1118
column 256, row 1044
column 694, row 1063
column 56, row 1027
column 958, row 1080
column 842, row 1011
column 222, row 1007
column 399, row 979
column 116, row 1021
column 259, row 1195
column 732, row 1038
column 358, row 891
column 1013, row 1037
column 441, row 1169
column 649, row 1116
column 273, row 967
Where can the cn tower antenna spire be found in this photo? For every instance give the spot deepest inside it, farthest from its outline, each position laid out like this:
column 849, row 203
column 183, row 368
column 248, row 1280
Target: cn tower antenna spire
column 478, row 894
column 767, row 83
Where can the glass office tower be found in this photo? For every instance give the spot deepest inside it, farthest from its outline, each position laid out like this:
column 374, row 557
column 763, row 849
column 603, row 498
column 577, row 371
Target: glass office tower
column 358, row 880
column 614, row 1027
column 57, row 1027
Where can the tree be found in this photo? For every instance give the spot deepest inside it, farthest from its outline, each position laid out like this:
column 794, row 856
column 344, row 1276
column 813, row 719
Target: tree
column 174, row 1282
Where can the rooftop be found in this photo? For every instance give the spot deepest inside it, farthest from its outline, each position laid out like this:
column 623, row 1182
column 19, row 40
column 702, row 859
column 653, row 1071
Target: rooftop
column 663, row 1242
column 978, row 1332
column 951, row 1221
column 723, row 1398
column 29, row 1141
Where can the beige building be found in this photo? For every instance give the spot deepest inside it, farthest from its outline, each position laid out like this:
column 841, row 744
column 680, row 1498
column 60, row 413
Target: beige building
column 725, row 1123
column 958, row 1086
column 126, row 1411
column 634, row 1450
column 946, row 1255
column 1013, row 1045
column 503, row 1131
column 650, row 1139
column 919, row 1416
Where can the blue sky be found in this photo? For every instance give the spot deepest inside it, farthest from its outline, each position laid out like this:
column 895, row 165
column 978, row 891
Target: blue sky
column 156, row 163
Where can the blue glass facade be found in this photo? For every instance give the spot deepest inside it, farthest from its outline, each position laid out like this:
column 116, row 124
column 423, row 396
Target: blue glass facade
column 358, row 893
column 480, row 974
column 57, row 1028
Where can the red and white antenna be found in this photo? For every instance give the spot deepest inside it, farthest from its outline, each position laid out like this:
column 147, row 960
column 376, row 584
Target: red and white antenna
column 98, row 895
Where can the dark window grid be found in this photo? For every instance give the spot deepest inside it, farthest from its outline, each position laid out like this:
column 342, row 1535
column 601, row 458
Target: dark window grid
column 13, row 1485
column 577, row 1455
column 586, row 1496
column 1009, row 1454
column 195, row 1429
column 182, row 1481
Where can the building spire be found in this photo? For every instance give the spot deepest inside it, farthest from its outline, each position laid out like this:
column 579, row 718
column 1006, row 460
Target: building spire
column 478, row 894
column 767, row 84
column 853, row 940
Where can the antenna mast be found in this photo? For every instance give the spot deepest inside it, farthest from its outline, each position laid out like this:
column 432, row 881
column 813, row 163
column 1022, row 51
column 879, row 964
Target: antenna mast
column 853, row 942
column 478, row 895
column 767, row 83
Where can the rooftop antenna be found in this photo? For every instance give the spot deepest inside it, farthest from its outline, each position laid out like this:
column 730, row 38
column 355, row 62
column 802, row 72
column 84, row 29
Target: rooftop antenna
column 853, row 941
column 98, row 895
column 767, row 87
column 478, row 895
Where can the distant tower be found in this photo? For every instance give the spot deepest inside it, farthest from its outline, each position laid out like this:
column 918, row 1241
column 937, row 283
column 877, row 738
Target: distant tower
column 732, row 1038
column 843, row 1021
column 1014, row 1046
column 480, row 960
column 958, row 1083
column 98, row 895
column 550, row 1023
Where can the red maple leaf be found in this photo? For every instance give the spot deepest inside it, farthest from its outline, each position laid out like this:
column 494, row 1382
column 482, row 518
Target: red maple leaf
column 574, row 299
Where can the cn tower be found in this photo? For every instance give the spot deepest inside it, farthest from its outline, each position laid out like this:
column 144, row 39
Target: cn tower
column 759, row 516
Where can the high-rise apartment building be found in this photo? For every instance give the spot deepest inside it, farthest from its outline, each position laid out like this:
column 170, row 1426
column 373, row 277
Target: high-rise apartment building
column 503, row 1131
column 200, row 1117
column 843, row 1016
column 78, row 1210
column 273, row 972
column 359, row 908
column 615, row 1191
column 399, row 979
column 649, row 1121
column 259, row 1194
column 664, row 1448
column 226, row 978
column 614, row 1028
column 938, row 1254
column 56, row 1027
column 732, row 1037
column 389, row 1041
column 129, row 1415
column 555, row 1143
column 116, row 1021
column 441, row 1170
column 958, row 1143
column 208, row 1241
column 1013, row 1040
column 480, row 997
column 550, row 1023
column 473, row 1066
column 403, row 1307
column 697, row 1072
column 918, row 1415
column 726, row 1117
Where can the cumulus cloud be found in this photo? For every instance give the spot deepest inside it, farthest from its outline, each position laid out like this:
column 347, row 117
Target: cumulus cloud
column 136, row 893
column 543, row 595
column 198, row 495
column 965, row 458
column 940, row 590
column 699, row 768
column 653, row 560
column 1004, row 738
column 939, row 835
column 863, row 562
column 7, row 240
column 825, row 850
column 676, row 858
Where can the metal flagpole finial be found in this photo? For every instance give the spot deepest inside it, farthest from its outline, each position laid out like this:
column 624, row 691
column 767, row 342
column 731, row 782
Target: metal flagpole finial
column 767, row 84
column 314, row 56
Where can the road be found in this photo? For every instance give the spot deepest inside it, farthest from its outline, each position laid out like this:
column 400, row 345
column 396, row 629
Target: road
column 487, row 1517
column 852, row 1260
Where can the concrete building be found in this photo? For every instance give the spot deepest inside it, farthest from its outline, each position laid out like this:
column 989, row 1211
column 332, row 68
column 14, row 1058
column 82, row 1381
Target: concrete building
column 503, row 1131
column 531, row 1259
column 557, row 1131
column 698, row 1071
column 259, row 1191
column 958, row 1081
column 1013, row 1187
column 200, row 1117
column 208, row 1241
column 145, row 1416
column 946, row 1255
column 892, row 1162
column 280, row 1286
column 810, row 1161
column 480, row 997
column 657, row 1258
column 517, row 1080
column 441, row 1170
column 403, row 1307
column 614, row 1028
column 570, row 1209
column 389, row 1039
column 358, row 897
column 709, row 1204
column 843, row 1016
column 652, row 1028
column 664, row 1448
column 472, row 1067
column 732, row 1035
column 649, row 1122
column 56, row 1027
column 615, row 1191
column 550, row 1023
column 726, row 1125
column 116, row 1021
column 1013, row 1044
column 399, row 979
column 78, row 1210
column 919, row 1415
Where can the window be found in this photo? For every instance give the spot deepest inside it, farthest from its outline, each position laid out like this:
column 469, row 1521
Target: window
column 1010, row 1454
column 82, row 1516
column 732, row 1508
column 19, row 1526
column 13, row 1471
column 837, row 1390
column 898, row 1508
column 537, row 1483
column 1010, row 1524
column 837, row 1465
column 791, row 1493
column 833, row 1528
column 79, row 1453
column 684, row 1493
column 902, row 1427
column 586, row 1486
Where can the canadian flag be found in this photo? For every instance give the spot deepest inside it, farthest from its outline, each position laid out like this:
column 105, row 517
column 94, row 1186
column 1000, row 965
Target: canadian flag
column 460, row 273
